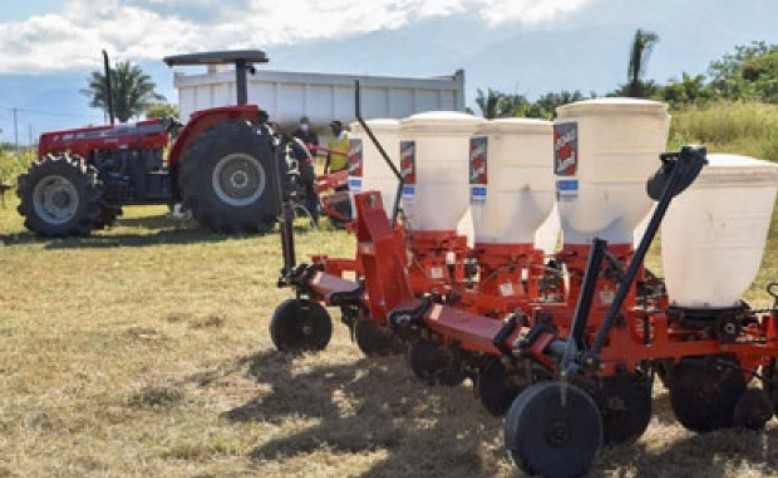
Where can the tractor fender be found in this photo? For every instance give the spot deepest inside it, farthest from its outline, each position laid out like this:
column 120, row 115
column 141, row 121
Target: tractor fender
column 202, row 120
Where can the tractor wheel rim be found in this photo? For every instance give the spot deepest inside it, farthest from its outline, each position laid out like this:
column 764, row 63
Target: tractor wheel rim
column 55, row 199
column 238, row 179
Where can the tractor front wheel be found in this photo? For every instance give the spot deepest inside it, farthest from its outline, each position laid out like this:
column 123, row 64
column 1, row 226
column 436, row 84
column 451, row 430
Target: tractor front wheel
column 226, row 179
column 60, row 195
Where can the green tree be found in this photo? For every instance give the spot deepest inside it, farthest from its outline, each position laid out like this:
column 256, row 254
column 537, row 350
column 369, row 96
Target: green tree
column 750, row 73
column 496, row 104
column 545, row 106
column 688, row 90
column 162, row 110
column 640, row 51
column 133, row 91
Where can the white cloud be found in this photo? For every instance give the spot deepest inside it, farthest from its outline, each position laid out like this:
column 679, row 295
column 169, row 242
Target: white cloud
column 151, row 29
column 528, row 12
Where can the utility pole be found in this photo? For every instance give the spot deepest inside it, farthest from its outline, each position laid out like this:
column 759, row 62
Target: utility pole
column 29, row 131
column 16, row 128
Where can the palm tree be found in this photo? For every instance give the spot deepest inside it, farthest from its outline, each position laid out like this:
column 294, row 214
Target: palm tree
column 133, row 91
column 496, row 104
column 688, row 90
column 545, row 106
column 638, row 60
column 487, row 103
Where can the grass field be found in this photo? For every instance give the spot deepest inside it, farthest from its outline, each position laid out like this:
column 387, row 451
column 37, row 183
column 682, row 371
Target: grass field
column 143, row 352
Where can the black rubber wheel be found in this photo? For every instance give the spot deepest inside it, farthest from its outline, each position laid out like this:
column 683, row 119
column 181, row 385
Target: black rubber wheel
column 704, row 393
column 495, row 388
column 300, row 325
column 625, row 406
column 770, row 374
column 374, row 340
column 553, row 430
column 340, row 214
column 753, row 410
column 434, row 363
column 108, row 216
column 226, row 179
column 60, row 196
column 664, row 369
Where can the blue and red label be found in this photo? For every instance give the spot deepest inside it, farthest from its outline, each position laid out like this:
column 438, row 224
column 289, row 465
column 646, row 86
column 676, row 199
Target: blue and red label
column 408, row 167
column 565, row 149
column 478, row 172
column 355, row 157
column 355, row 165
column 566, row 189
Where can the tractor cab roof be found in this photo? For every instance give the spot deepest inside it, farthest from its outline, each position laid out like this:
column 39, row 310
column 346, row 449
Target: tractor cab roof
column 218, row 58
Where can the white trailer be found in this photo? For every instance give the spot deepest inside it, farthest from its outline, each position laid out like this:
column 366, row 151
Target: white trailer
column 287, row 95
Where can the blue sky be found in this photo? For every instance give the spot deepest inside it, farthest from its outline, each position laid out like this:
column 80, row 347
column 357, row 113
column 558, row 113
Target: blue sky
column 16, row 10
column 48, row 47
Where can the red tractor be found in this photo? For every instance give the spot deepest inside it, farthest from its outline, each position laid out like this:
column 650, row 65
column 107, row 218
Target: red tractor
column 221, row 166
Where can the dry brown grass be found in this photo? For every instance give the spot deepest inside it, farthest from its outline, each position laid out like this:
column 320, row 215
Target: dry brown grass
column 143, row 351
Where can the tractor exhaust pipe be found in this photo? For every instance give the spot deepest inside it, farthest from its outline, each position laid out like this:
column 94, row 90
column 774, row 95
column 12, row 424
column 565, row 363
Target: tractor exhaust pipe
column 395, row 171
column 108, row 88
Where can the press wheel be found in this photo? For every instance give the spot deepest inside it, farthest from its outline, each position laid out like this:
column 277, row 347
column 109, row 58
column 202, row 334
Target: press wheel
column 375, row 340
column 434, row 363
column 704, row 392
column 300, row 325
column 496, row 388
column 770, row 374
column 753, row 410
column 625, row 405
column 553, row 430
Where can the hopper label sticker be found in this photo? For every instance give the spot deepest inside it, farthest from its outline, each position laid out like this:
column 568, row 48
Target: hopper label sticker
column 408, row 167
column 565, row 149
column 566, row 189
column 354, row 184
column 355, row 157
column 355, row 165
column 478, row 172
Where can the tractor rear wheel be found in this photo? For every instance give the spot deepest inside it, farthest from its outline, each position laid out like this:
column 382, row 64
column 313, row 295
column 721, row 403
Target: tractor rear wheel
column 60, row 196
column 226, row 179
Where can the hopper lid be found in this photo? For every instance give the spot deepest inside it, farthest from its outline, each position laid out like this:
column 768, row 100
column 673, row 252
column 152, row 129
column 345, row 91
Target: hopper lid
column 517, row 125
column 612, row 106
column 386, row 125
column 447, row 120
column 725, row 168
